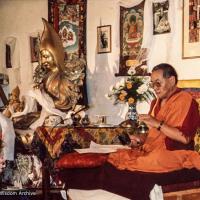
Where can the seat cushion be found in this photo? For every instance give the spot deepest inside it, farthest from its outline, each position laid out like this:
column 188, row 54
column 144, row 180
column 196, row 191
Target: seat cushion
column 76, row 160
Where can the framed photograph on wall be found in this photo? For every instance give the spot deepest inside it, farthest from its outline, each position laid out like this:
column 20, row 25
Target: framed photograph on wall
column 34, row 45
column 160, row 18
column 104, row 39
column 8, row 56
column 191, row 29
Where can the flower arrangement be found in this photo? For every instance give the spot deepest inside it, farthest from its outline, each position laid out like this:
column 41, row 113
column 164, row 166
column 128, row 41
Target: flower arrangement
column 131, row 90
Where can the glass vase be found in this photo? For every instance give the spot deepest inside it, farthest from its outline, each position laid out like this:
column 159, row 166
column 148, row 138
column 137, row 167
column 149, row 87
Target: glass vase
column 132, row 113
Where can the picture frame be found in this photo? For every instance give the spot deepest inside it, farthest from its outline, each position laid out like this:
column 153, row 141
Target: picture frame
column 34, row 46
column 191, row 29
column 8, row 57
column 104, row 39
column 160, row 18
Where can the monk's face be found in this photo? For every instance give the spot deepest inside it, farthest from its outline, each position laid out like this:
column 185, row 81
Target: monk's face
column 162, row 86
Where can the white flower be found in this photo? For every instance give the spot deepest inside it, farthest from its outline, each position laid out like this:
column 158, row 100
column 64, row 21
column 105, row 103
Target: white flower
column 122, row 81
column 146, row 79
column 118, row 84
column 142, row 89
column 131, row 71
column 111, row 88
column 107, row 96
column 124, row 92
column 143, row 67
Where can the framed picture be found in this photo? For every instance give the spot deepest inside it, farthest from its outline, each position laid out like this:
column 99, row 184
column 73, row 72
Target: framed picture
column 104, row 39
column 8, row 56
column 160, row 18
column 131, row 36
column 34, row 45
column 191, row 29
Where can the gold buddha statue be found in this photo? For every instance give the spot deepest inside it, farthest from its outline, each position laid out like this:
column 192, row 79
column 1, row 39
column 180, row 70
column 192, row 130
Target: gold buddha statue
column 60, row 80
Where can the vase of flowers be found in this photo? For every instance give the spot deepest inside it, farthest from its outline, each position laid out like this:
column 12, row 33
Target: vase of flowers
column 132, row 112
column 131, row 90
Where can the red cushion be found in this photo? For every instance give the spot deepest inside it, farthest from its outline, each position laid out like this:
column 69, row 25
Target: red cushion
column 76, row 160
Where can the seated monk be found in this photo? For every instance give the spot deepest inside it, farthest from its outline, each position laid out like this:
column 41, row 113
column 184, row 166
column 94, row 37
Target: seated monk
column 173, row 120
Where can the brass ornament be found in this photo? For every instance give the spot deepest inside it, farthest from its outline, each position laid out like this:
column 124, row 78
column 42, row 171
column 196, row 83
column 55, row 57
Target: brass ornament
column 61, row 80
column 51, row 42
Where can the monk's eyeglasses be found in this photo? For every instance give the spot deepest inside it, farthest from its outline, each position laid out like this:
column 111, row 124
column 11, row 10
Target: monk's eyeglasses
column 156, row 84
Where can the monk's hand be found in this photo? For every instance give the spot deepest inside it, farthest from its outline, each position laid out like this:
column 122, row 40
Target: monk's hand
column 135, row 141
column 150, row 121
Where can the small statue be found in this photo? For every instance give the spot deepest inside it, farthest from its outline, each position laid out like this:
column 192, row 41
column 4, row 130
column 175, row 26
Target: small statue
column 14, row 103
column 85, row 120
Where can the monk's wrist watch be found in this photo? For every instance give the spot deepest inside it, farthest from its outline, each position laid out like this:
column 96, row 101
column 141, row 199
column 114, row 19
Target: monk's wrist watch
column 160, row 125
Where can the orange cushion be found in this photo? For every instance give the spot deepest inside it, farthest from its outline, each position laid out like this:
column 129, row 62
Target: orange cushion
column 76, row 160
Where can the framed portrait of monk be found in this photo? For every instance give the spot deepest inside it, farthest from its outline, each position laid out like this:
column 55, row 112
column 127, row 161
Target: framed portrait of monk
column 160, row 18
column 131, row 36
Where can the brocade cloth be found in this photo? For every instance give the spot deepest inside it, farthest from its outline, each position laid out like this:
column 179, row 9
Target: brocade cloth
column 78, row 137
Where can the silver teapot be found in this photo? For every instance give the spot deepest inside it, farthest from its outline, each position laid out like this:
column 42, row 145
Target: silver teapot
column 142, row 128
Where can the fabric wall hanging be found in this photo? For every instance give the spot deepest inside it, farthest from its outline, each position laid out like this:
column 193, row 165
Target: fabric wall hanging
column 131, row 36
column 69, row 20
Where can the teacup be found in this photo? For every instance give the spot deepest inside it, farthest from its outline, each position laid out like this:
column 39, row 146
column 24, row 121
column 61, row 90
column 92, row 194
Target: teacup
column 52, row 120
column 102, row 119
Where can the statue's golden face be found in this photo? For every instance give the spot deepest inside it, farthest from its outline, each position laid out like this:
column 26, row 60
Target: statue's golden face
column 46, row 58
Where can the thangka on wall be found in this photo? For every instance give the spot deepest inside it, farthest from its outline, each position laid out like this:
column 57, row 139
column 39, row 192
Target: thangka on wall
column 194, row 21
column 69, row 20
column 160, row 18
column 191, row 29
column 131, row 35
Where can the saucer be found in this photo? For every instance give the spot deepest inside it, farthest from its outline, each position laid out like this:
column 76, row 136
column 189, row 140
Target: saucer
column 103, row 125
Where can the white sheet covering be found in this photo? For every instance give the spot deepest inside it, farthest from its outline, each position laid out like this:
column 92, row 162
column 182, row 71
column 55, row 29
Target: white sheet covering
column 8, row 137
column 74, row 194
column 93, row 195
column 48, row 107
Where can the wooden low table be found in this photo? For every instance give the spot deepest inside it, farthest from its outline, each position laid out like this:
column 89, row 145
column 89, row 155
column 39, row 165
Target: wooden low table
column 191, row 194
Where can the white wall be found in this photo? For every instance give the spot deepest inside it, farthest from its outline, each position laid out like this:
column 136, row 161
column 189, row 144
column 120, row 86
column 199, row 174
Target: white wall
column 22, row 18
